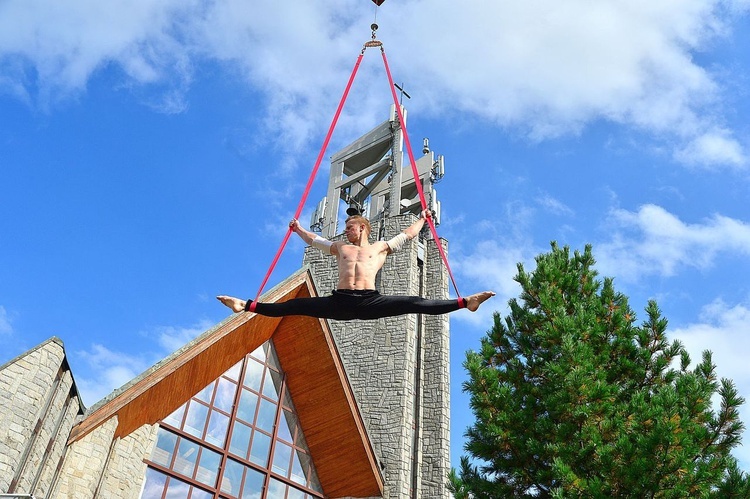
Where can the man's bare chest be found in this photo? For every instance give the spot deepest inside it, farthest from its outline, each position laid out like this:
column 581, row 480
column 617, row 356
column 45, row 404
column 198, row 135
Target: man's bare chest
column 355, row 254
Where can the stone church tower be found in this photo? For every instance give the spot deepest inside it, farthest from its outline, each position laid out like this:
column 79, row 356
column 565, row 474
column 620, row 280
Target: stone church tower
column 398, row 366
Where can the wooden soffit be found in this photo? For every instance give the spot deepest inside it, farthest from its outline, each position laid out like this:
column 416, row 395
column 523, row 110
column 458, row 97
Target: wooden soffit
column 315, row 376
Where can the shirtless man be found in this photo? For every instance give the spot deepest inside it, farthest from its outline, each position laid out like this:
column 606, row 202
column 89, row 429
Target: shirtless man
column 356, row 297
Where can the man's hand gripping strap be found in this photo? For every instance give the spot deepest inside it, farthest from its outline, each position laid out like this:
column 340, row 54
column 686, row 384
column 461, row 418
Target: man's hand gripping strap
column 397, row 242
column 322, row 244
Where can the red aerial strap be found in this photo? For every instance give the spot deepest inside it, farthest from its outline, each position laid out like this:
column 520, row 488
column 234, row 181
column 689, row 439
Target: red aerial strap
column 314, row 172
column 415, row 172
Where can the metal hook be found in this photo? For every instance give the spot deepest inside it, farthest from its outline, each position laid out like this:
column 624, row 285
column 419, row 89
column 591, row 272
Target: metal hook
column 374, row 42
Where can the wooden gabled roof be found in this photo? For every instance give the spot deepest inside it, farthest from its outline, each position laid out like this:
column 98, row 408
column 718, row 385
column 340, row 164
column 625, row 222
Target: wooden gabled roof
column 325, row 404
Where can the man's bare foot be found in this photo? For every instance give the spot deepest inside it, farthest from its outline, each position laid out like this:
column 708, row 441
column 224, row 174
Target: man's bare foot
column 473, row 301
column 235, row 304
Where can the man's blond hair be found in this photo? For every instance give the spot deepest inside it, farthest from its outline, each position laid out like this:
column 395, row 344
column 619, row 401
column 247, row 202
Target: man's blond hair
column 359, row 219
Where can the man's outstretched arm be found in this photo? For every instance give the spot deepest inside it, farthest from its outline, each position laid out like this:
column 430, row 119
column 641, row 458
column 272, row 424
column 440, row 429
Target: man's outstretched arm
column 413, row 230
column 312, row 238
column 408, row 233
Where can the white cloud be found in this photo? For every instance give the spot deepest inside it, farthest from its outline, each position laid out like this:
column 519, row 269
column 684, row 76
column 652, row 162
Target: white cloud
column 173, row 338
column 5, row 323
column 654, row 241
column 553, row 68
column 739, row 6
column 545, row 67
column 107, row 370
column 724, row 331
column 713, row 148
column 493, row 265
column 56, row 47
column 554, row 206
column 490, row 266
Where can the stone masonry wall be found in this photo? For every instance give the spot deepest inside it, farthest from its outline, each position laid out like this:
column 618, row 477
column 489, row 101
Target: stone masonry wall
column 436, row 383
column 125, row 470
column 84, row 463
column 56, row 451
column 31, row 398
column 47, row 432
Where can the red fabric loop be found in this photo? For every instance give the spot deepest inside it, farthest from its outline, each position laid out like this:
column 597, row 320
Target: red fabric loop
column 314, row 172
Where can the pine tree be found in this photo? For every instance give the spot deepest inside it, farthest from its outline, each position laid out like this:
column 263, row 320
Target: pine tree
column 573, row 399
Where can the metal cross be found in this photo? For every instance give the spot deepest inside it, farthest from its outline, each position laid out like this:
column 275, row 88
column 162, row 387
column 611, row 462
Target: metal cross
column 403, row 92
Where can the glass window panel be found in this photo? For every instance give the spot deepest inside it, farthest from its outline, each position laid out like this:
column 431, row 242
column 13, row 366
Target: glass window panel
column 200, row 494
column 272, row 384
column 225, row 392
column 266, row 415
column 208, row 468
column 177, row 489
column 276, row 489
column 187, row 454
column 218, row 424
column 195, row 421
column 260, row 352
column 165, row 445
column 231, row 481
column 253, row 375
column 300, row 463
column 154, row 486
column 253, row 484
column 287, row 426
column 260, row 449
column 234, row 371
column 295, row 494
column 205, row 394
column 236, row 479
column 282, row 454
column 248, row 403
column 175, row 419
column 240, row 442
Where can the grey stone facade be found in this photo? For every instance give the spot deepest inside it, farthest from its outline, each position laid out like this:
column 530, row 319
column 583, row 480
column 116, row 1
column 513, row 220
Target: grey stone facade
column 399, row 367
column 101, row 466
column 38, row 407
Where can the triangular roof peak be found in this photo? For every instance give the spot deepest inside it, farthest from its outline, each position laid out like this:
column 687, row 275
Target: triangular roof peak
column 57, row 341
column 327, row 411
column 53, row 339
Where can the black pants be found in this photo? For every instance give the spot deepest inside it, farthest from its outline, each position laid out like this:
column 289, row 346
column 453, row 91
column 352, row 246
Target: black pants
column 345, row 304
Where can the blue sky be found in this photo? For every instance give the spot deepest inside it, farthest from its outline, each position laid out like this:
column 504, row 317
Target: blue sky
column 151, row 154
